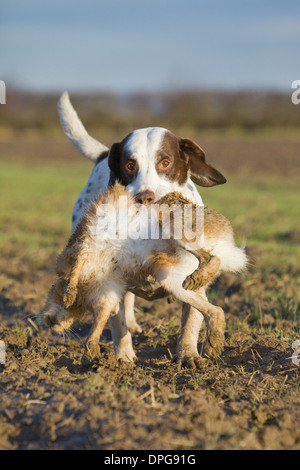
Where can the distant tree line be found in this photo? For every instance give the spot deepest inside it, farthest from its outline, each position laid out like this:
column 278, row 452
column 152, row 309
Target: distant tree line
column 194, row 110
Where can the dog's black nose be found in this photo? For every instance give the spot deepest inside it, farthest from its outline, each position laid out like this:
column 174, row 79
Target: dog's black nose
column 145, row 197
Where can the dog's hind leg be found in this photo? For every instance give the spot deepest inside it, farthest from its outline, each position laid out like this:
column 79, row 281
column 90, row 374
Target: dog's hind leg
column 123, row 324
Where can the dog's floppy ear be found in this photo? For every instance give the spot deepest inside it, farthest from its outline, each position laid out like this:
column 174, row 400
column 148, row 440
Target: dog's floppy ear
column 114, row 158
column 202, row 173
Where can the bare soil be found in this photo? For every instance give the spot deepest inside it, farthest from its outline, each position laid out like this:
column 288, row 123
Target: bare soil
column 247, row 399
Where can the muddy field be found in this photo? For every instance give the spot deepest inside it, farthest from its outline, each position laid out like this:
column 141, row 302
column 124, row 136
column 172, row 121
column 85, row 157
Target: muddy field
column 248, row 398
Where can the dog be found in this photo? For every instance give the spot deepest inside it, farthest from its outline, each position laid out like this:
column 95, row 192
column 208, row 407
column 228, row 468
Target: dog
column 151, row 163
column 98, row 266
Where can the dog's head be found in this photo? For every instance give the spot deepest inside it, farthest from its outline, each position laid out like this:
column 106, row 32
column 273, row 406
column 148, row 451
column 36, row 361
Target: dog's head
column 152, row 162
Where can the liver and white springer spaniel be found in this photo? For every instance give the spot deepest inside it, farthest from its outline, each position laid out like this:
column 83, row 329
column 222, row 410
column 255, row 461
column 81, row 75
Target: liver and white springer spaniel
column 151, row 163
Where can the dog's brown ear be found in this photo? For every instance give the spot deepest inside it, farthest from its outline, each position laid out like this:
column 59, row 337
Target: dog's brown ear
column 114, row 158
column 202, row 173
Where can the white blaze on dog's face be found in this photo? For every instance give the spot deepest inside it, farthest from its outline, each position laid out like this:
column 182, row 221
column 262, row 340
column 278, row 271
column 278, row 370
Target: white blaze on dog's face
column 153, row 162
column 143, row 150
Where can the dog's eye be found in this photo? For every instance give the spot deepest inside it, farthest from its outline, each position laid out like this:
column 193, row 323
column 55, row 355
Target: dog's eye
column 164, row 164
column 130, row 166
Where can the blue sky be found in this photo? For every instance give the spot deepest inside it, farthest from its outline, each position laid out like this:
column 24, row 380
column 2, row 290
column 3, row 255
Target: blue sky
column 154, row 45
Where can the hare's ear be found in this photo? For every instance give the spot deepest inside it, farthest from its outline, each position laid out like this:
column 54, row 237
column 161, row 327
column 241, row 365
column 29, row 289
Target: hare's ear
column 202, row 173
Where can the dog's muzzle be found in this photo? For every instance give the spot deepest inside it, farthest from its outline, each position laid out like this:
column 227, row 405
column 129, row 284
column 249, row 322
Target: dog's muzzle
column 145, row 197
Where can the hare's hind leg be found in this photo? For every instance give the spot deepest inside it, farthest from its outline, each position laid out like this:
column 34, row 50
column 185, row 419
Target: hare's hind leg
column 205, row 273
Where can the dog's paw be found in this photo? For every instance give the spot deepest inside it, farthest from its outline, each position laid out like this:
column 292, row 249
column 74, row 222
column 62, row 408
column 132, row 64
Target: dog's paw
column 194, row 361
column 134, row 327
column 126, row 356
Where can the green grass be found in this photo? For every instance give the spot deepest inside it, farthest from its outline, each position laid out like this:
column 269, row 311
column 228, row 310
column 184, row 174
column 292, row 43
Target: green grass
column 36, row 207
column 264, row 211
column 37, row 201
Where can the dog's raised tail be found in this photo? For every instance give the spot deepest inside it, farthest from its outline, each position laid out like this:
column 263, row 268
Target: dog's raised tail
column 76, row 132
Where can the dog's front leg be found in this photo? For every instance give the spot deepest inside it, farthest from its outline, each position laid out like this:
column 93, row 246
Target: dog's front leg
column 187, row 350
column 120, row 334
